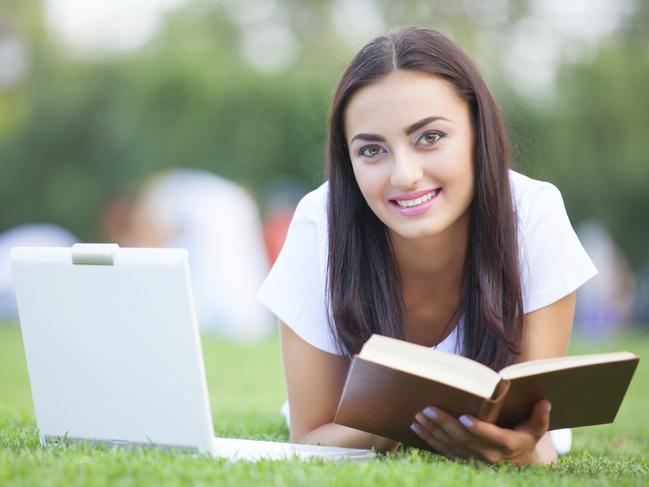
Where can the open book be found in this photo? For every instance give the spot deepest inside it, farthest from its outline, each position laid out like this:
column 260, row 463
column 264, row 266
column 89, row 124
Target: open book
column 390, row 380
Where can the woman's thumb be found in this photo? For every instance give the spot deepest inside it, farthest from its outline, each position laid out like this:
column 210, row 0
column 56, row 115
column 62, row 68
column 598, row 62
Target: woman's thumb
column 539, row 420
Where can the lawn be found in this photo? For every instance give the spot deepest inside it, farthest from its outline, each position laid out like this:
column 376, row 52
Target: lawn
column 246, row 392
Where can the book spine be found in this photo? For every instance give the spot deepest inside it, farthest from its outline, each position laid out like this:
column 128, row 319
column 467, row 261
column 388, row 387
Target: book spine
column 491, row 407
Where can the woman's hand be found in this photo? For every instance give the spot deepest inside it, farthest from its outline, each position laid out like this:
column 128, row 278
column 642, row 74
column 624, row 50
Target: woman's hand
column 470, row 438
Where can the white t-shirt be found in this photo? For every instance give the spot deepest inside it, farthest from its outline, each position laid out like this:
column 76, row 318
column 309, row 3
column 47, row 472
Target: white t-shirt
column 553, row 262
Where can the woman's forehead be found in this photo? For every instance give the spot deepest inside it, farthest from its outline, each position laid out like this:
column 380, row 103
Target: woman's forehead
column 399, row 99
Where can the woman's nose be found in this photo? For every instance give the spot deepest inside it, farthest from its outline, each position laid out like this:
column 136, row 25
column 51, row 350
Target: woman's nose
column 406, row 171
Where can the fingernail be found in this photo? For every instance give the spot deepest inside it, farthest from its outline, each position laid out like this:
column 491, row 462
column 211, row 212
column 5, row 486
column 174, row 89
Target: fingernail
column 466, row 421
column 416, row 428
column 549, row 407
column 431, row 413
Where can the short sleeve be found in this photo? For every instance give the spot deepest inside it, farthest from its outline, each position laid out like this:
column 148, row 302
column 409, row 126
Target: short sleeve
column 294, row 287
column 553, row 261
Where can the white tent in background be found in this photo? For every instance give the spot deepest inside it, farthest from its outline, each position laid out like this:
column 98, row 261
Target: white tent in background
column 33, row 234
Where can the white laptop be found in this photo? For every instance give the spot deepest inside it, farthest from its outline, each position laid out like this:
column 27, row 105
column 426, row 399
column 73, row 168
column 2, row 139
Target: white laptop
column 114, row 354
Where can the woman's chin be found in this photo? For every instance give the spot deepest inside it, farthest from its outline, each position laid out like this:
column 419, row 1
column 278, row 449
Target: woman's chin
column 416, row 230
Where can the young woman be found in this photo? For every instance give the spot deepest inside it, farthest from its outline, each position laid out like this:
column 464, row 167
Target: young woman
column 424, row 233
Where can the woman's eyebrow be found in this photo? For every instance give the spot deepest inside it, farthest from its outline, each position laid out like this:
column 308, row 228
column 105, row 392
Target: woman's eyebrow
column 370, row 137
column 417, row 125
column 408, row 130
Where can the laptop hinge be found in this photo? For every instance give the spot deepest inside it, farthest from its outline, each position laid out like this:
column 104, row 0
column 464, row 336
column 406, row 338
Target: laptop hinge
column 93, row 254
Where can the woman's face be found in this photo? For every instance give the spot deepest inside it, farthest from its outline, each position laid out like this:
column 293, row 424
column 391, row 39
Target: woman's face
column 411, row 146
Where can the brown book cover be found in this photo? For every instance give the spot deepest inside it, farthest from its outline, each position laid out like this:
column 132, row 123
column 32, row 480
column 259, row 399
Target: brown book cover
column 580, row 396
column 384, row 400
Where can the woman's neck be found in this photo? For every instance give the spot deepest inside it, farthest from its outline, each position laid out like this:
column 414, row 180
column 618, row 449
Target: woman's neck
column 435, row 259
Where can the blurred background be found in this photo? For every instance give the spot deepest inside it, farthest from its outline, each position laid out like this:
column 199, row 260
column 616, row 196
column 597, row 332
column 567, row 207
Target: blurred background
column 110, row 110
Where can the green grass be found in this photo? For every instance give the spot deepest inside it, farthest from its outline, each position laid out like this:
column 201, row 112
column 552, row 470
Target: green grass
column 246, row 392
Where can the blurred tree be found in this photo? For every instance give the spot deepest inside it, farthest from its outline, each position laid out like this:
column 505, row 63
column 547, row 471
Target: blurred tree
column 592, row 142
column 78, row 131
column 98, row 130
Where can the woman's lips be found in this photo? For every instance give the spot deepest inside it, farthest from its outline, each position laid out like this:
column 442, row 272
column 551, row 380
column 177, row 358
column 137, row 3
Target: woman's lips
column 413, row 195
column 419, row 208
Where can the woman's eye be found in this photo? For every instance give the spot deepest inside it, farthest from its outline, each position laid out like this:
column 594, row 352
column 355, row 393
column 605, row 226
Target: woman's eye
column 429, row 138
column 370, row 150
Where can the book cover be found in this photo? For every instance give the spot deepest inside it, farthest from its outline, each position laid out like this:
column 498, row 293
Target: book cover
column 384, row 400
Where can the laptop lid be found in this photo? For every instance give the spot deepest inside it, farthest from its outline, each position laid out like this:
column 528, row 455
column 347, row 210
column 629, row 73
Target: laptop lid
column 112, row 345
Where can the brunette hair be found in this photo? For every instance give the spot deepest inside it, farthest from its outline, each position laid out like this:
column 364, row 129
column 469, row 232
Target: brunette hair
column 363, row 284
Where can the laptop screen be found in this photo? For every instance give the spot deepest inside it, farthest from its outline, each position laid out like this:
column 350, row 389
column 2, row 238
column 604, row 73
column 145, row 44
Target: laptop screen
column 112, row 345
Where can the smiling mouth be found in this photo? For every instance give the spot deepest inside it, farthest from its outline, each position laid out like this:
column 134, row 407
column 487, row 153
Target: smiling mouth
column 416, row 201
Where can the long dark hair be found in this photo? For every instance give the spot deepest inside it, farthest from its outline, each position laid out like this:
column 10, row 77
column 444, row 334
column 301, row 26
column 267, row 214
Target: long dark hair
column 363, row 285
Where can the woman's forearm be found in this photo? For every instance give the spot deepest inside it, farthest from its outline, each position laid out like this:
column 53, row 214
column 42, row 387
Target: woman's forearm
column 332, row 434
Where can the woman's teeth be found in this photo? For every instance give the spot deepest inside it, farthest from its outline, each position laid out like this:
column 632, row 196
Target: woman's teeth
column 417, row 201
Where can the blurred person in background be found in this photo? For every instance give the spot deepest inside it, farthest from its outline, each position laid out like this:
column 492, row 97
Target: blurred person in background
column 281, row 197
column 604, row 305
column 28, row 235
column 217, row 221
column 641, row 302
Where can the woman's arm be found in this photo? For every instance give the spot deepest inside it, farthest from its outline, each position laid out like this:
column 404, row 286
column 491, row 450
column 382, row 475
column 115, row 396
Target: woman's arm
column 546, row 331
column 314, row 382
column 546, row 334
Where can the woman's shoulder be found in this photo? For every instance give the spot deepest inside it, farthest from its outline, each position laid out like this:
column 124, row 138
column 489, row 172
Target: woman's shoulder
column 525, row 189
column 535, row 200
column 553, row 261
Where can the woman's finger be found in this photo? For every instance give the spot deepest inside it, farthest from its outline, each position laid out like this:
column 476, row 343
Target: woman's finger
column 448, row 447
column 539, row 422
column 445, row 429
column 456, row 433
column 490, row 434
column 434, row 442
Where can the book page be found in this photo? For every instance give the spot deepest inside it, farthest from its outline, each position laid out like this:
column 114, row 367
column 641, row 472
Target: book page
column 533, row 367
column 447, row 368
